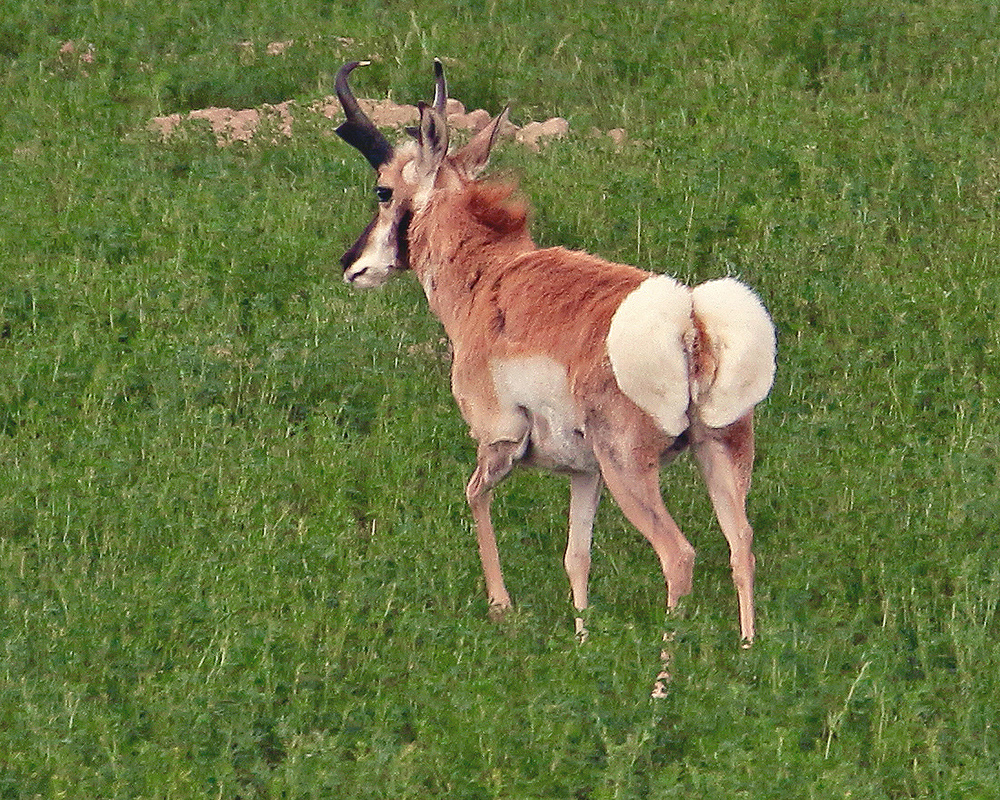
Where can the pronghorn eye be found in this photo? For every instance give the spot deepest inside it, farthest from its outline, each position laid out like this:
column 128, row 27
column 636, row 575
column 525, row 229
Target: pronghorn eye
column 383, row 193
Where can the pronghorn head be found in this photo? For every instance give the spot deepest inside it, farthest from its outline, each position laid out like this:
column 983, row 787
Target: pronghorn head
column 408, row 176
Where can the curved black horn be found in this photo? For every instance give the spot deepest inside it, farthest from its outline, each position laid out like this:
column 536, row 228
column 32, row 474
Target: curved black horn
column 440, row 87
column 357, row 129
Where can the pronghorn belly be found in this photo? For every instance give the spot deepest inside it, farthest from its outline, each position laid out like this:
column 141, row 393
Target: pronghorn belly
column 537, row 387
column 646, row 348
column 554, row 445
column 741, row 338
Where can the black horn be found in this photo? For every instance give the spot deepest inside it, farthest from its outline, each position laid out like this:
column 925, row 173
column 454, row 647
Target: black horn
column 440, row 97
column 357, row 129
column 440, row 87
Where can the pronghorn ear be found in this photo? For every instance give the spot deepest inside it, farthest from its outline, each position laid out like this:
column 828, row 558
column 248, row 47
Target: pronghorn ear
column 474, row 157
column 432, row 143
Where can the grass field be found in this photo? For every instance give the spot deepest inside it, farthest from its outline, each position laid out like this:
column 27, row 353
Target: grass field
column 235, row 557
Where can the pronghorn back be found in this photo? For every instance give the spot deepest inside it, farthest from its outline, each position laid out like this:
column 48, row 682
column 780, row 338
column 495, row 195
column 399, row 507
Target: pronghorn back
column 554, row 301
column 564, row 360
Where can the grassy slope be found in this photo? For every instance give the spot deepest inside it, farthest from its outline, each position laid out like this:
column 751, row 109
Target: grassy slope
column 234, row 551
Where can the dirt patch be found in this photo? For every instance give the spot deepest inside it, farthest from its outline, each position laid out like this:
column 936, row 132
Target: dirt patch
column 239, row 125
column 230, row 125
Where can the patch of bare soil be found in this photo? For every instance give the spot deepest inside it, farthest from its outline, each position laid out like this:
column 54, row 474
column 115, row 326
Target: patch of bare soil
column 239, row 125
column 230, row 125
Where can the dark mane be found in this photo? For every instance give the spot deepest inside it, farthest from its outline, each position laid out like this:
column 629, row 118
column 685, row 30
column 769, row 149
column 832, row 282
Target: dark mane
column 498, row 206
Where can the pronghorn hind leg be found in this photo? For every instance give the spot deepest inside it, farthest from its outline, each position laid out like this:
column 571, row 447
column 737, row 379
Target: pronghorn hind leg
column 636, row 489
column 584, row 496
column 494, row 462
column 725, row 456
column 637, row 492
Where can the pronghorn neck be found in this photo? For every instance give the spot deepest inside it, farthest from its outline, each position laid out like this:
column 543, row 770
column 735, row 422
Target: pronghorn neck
column 460, row 238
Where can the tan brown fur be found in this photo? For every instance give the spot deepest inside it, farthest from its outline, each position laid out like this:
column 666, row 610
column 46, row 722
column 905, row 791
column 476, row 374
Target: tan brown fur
column 495, row 205
column 531, row 370
column 702, row 363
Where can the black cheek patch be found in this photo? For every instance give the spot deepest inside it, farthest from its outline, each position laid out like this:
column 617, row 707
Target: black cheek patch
column 403, row 240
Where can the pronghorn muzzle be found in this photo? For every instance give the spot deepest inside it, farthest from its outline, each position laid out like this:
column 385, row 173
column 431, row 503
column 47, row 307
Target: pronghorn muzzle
column 383, row 246
column 382, row 249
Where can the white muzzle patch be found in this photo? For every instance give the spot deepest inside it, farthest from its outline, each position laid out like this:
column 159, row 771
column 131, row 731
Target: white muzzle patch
column 376, row 262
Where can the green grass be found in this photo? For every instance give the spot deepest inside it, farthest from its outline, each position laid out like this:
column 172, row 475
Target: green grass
column 235, row 558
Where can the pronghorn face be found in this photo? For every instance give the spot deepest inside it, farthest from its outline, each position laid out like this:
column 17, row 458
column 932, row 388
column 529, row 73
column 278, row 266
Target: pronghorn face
column 408, row 175
column 383, row 247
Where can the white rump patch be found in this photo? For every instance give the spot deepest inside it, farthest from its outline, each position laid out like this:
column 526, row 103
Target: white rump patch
column 648, row 346
column 646, row 349
column 743, row 342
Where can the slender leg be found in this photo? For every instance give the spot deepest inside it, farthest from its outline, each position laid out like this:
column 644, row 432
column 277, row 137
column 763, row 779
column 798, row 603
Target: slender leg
column 664, row 677
column 726, row 460
column 637, row 490
column 584, row 495
column 494, row 463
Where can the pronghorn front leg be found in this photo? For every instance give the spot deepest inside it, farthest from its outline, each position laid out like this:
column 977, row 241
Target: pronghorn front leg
column 494, row 462
column 584, row 495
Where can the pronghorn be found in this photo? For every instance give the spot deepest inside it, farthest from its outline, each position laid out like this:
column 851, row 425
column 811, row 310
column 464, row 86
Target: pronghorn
column 561, row 360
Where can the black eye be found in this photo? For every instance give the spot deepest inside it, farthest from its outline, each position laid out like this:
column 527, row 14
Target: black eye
column 383, row 193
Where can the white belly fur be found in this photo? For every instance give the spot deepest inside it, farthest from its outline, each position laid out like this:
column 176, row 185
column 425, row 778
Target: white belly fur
column 647, row 350
column 538, row 385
